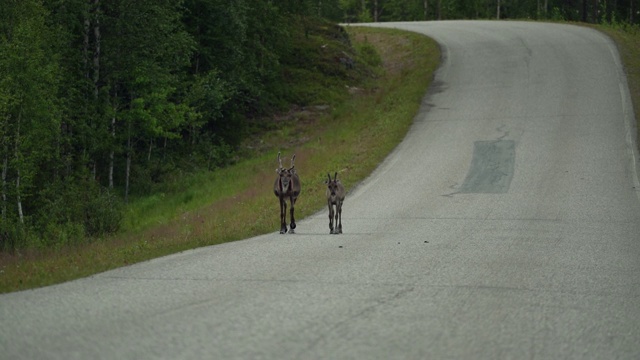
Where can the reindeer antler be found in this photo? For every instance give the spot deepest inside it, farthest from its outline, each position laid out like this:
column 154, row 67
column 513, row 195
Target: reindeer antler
column 335, row 176
column 279, row 163
column 293, row 159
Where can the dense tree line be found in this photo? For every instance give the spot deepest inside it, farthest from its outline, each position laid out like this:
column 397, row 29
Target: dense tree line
column 594, row 11
column 100, row 99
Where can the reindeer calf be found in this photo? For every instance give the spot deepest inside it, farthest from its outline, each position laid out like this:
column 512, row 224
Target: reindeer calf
column 335, row 196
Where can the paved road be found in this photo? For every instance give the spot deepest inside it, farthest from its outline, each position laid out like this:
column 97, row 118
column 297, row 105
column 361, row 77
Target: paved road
column 506, row 225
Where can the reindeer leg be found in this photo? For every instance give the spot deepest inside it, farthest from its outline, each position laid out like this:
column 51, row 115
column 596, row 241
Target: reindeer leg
column 339, row 217
column 330, row 217
column 293, row 219
column 283, row 214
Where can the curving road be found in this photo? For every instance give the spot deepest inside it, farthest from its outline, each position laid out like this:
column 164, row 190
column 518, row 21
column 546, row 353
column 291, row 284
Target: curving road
column 506, row 225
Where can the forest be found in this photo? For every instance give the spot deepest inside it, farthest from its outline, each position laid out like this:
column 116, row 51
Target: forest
column 102, row 101
column 593, row 11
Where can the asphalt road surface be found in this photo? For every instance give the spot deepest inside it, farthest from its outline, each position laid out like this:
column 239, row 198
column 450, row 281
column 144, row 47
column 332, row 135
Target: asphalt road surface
column 506, row 225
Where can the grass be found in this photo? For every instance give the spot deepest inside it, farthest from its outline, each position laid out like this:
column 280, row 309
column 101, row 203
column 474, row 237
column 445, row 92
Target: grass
column 237, row 202
column 627, row 39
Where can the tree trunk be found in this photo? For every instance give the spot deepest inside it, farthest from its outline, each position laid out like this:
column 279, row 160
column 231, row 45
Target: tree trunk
column 498, row 10
column 85, row 44
column 113, row 138
column 5, row 165
column 18, row 162
column 126, row 192
column 94, row 14
column 96, row 59
column 18, row 200
column 111, row 153
column 375, row 10
column 426, row 9
column 164, row 149
column 96, row 51
column 111, row 158
column 128, row 168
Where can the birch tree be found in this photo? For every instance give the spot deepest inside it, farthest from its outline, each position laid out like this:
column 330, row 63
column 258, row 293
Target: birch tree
column 148, row 47
column 28, row 107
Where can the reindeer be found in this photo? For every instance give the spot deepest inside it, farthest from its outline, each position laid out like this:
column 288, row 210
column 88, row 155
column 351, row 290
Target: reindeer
column 287, row 186
column 335, row 197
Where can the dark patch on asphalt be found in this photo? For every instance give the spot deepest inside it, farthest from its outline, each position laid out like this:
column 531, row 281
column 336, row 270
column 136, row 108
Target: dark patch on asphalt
column 491, row 168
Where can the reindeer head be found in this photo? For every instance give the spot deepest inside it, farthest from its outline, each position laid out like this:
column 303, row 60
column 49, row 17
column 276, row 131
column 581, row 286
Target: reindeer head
column 285, row 174
column 332, row 185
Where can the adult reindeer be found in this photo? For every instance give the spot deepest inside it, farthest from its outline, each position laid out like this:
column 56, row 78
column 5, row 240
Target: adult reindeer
column 287, row 186
column 335, row 197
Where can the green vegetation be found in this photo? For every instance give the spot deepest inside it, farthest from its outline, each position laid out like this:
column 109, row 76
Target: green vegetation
column 627, row 39
column 352, row 136
column 103, row 103
column 592, row 11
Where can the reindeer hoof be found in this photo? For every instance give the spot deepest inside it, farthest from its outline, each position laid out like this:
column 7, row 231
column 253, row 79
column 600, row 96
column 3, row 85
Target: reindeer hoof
column 292, row 231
